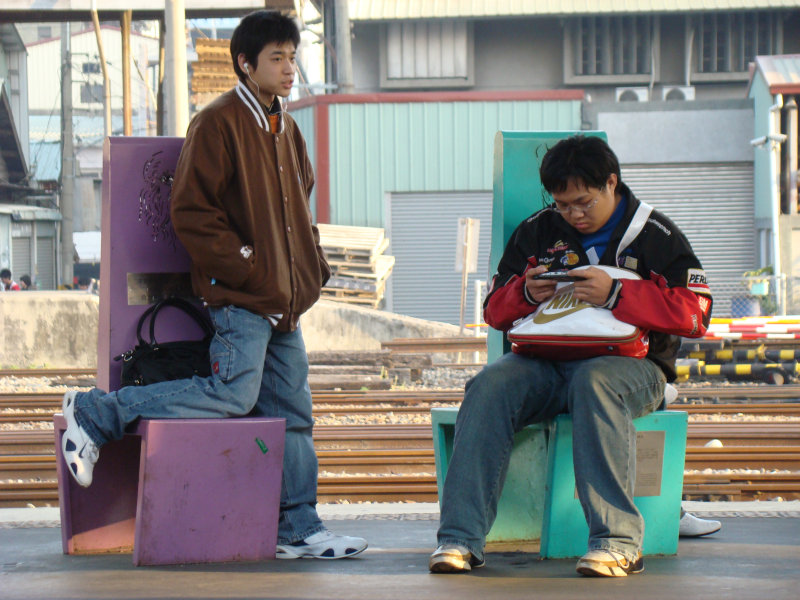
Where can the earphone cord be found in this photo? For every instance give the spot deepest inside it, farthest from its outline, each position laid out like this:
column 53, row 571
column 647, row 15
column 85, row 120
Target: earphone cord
column 258, row 89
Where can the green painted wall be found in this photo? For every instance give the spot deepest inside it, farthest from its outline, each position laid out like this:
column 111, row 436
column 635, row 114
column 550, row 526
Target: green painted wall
column 307, row 124
column 423, row 147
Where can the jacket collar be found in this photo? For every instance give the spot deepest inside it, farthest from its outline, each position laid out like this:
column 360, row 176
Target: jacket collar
column 270, row 121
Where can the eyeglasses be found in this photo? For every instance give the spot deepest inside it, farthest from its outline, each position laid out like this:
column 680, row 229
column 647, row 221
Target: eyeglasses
column 581, row 207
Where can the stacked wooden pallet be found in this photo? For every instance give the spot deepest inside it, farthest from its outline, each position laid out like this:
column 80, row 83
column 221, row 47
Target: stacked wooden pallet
column 212, row 73
column 359, row 267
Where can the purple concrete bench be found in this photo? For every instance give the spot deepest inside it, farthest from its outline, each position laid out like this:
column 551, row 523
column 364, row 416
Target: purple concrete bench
column 178, row 491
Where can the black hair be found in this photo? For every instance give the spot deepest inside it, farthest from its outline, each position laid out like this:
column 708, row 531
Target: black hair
column 5, row 274
column 26, row 279
column 258, row 29
column 584, row 158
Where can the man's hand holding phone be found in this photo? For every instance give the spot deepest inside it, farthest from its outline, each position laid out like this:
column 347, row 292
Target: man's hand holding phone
column 590, row 285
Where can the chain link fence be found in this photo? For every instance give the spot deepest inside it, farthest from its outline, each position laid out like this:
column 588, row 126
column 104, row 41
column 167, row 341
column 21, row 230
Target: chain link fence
column 762, row 295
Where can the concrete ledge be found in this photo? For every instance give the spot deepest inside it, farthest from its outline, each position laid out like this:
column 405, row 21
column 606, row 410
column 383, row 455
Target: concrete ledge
column 331, row 325
column 48, row 329
column 59, row 329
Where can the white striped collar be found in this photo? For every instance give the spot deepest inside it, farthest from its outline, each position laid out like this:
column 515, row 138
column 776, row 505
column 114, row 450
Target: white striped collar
column 257, row 109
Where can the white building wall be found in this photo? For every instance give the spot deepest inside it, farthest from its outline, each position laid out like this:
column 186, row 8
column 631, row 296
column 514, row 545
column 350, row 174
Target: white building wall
column 44, row 60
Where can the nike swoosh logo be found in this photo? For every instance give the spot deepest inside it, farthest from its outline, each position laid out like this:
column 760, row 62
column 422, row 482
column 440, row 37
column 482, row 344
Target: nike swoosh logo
column 80, row 453
column 558, row 307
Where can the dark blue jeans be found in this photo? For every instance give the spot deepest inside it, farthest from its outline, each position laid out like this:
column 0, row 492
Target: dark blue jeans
column 603, row 395
column 260, row 372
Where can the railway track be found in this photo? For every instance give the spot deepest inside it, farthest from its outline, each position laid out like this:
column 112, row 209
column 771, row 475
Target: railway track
column 389, row 463
column 746, row 399
column 395, row 462
column 39, row 414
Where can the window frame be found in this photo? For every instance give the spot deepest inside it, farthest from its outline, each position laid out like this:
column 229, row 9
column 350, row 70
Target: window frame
column 572, row 36
column 692, row 23
column 426, row 82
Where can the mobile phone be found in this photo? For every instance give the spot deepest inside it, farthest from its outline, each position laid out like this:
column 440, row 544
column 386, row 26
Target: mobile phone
column 559, row 276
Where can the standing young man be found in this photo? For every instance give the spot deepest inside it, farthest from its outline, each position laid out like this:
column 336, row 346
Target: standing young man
column 240, row 207
column 583, row 227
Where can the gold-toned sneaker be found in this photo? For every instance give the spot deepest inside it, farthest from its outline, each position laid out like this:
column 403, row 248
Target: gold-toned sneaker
column 607, row 563
column 452, row 558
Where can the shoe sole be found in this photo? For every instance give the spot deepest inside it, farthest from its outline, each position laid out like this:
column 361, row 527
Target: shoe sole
column 444, row 566
column 600, row 570
column 284, row 555
column 697, row 535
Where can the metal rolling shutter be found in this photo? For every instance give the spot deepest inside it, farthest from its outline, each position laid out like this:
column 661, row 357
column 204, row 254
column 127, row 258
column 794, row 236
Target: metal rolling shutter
column 20, row 257
column 713, row 206
column 46, row 262
column 422, row 230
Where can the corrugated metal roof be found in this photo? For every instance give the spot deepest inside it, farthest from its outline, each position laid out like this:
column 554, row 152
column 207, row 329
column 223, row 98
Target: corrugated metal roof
column 25, row 212
column 383, row 10
column 781, row 72
column 46, row 160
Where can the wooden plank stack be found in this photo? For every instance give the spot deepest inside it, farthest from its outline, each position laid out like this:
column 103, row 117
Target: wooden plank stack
column 359, row 267
column 213, row 72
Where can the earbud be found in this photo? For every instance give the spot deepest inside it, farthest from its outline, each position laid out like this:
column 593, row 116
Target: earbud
column 247, row 68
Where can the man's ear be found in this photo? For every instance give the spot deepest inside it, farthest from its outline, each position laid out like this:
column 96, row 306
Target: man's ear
column 612, row 182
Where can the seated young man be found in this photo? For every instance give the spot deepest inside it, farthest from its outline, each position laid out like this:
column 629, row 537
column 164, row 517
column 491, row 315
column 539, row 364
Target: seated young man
column 592, row 209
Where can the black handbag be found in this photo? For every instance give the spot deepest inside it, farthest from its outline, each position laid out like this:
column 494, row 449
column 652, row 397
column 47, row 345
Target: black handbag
column 152, row 362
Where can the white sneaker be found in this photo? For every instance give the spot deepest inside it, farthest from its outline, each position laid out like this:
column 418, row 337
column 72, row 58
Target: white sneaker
column 691, row 526
column 80, row 452
column 324, row 545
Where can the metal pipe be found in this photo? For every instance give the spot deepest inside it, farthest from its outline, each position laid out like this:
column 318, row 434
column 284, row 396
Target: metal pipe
column 177, row 87
column 125, row 27
column 104, row 67
column 774, row 149
column 790, row 171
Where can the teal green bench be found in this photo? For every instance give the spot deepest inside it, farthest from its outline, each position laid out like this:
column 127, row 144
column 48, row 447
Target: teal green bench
column 538, row 501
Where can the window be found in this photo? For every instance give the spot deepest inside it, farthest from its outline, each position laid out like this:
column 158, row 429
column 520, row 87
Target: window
column 427, row 54
column 44, row 32
column 610, row 49
column 727, row 42
column 92, row 92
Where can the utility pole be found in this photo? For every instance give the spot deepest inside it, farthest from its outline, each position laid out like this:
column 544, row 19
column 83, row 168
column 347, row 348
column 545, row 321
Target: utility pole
column 344, row 55
column 104, row 68
column 67, row 159
column 176, row 89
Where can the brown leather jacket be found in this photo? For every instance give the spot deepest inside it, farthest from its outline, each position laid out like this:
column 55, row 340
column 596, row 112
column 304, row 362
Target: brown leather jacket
column 239, row 184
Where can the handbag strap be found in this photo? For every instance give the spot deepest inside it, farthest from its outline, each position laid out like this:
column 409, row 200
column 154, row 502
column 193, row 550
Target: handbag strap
column 179, row 303
column 635, row 228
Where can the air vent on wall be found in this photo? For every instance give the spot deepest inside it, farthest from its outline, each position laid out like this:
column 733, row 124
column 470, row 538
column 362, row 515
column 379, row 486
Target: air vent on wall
column 632, row 94
column 677, row 92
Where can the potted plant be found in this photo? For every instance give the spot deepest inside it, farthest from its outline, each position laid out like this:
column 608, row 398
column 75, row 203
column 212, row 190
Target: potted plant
column 757, row 281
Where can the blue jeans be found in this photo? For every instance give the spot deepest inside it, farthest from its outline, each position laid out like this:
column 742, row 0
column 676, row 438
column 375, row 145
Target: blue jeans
column 603, row 395
column 257, row 371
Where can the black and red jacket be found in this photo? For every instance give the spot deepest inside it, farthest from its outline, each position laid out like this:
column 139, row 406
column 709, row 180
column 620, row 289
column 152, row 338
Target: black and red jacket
column 672, row 299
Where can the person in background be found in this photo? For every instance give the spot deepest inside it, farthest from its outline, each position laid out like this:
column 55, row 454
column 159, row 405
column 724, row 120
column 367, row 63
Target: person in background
column 25, row 282
column 8, row 284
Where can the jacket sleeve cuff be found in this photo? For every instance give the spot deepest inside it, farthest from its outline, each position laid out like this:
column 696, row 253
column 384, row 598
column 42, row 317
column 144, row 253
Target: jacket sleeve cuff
column 613, row 295
column 528, row 298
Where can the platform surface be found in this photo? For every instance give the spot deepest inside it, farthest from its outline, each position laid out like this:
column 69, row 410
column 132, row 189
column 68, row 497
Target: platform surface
column 756, row 555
